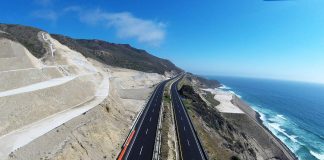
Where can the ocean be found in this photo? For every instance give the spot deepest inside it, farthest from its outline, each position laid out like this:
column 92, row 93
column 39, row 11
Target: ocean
column 293, row 111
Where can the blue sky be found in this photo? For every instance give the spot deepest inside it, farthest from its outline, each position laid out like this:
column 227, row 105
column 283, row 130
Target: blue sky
column 251, row 38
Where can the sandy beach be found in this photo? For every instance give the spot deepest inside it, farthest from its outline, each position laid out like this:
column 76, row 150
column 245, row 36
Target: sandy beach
column 225, row 99
column 233, row 108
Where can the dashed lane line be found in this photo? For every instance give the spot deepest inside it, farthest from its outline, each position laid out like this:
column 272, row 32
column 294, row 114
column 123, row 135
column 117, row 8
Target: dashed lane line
column 141, row 150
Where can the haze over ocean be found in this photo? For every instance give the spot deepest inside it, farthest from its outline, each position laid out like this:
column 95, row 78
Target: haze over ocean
column 293, row 111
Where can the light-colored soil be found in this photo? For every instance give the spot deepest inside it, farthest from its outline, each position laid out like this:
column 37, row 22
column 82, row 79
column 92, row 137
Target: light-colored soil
column 100, row 132
column 225, row 98
column 15, row 56
column 33, row 94
column 6, row 49
column 20, row 78
column 97, row 134
column 3, row 32
column 65, row 56
column 22, row 109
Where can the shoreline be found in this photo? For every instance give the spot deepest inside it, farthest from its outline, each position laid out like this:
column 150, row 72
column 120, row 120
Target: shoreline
column 239, row 102
column 254, row 115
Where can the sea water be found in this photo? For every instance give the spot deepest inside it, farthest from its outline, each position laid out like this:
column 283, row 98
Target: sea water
column 292, row 111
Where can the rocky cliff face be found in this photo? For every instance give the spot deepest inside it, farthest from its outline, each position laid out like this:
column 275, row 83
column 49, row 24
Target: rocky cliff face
column 202, row 82
column 229, row 135
column 236, row 142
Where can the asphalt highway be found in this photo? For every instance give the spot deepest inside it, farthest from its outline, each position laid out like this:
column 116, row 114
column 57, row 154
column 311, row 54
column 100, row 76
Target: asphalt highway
column 190, row 147
column 140, row 144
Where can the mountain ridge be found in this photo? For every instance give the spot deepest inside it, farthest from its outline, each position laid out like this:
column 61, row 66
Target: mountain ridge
column 119, row 55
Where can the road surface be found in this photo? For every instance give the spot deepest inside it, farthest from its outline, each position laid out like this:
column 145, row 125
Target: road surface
column 140, row 143
column 190, row 147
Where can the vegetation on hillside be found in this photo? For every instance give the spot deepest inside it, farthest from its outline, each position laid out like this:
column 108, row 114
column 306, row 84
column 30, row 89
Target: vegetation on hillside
column 120, row 55
column 221, row 140
column 25, row 35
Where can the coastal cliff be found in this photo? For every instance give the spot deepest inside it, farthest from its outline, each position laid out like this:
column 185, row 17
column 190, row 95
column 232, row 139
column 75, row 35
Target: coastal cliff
column 229, row 134
column 258, row 131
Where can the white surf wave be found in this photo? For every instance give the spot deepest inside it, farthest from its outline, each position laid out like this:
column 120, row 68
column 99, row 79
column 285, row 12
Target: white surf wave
column 235, row 94
column 286, row 130
column 224, row 87
column 278, row 128
column 262, row 116
column 275, row 123
column 281, row 116
column 279, row 125
column 229, row 89
column 305, row 144
column 319, row 156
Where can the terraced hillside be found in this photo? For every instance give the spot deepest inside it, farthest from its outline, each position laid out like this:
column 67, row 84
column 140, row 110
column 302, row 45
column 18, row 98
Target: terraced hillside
column 38, row 95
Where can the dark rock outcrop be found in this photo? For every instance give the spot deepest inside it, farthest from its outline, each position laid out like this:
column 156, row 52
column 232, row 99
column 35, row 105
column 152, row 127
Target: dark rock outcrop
column 25, row 35
column 120, row 55
column 243, row 134
column 234, row 140
column 203, row 82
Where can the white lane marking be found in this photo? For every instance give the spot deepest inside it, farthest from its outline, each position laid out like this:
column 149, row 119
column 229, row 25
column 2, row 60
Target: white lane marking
column 183, row 109
column 184, row 128
column 181, row 118
column 146, row 131
column 141, row 122
column 150, row 119
column 188, row 142
column 153, row 110
column 141, row 150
